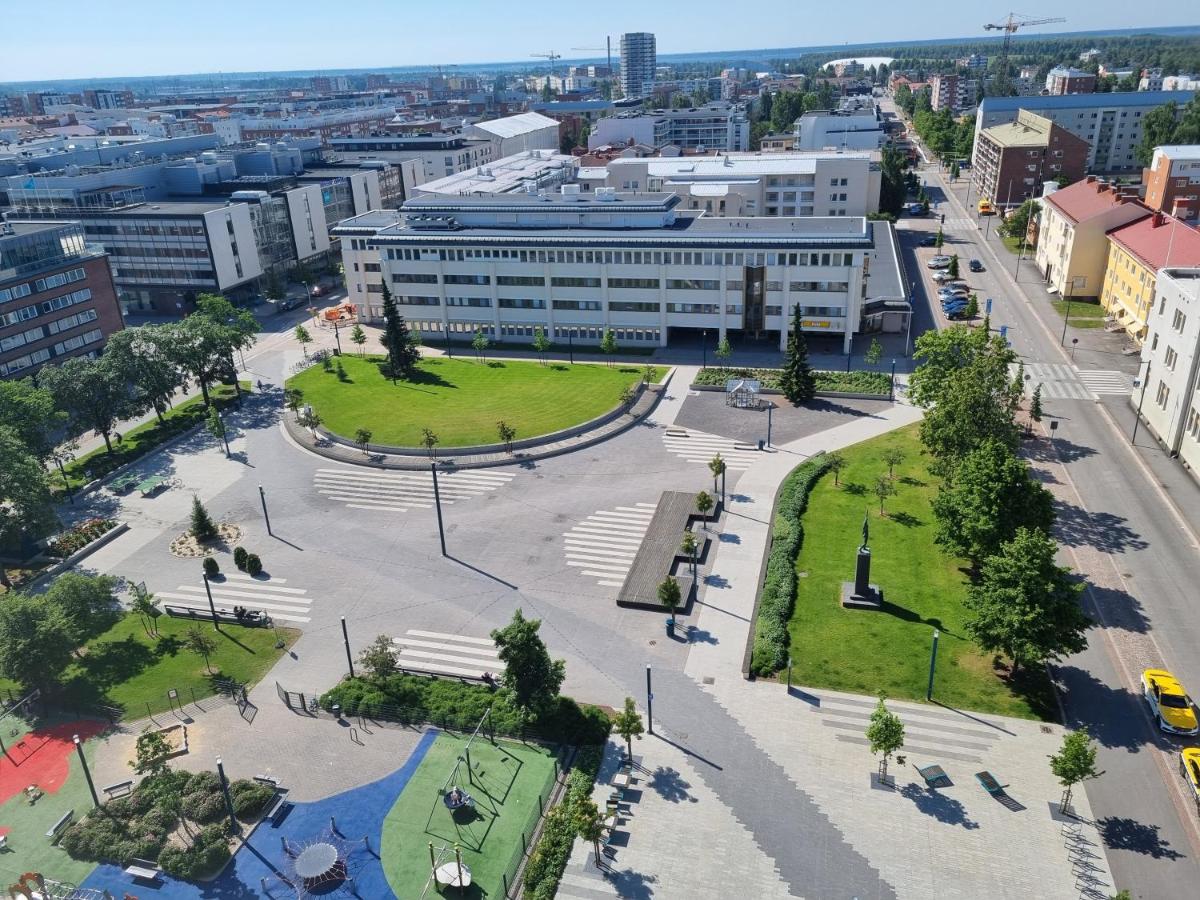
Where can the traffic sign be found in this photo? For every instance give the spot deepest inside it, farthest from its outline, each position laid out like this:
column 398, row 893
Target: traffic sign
column 988, row 306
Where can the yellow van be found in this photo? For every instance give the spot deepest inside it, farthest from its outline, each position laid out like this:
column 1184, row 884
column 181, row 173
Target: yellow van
column 986, row 208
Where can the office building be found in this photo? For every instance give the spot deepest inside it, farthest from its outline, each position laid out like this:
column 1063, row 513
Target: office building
column 756, row 184
column 1137, row 252
column 1172, row 181
column 516, row 134
column 1072, row 248
column 576, row 264
column 529, row 172
column 1111, row 123
column 1012, row 160
column 838, row 129
column 638, row 62
column 56, row 295
column 324, row 124
column 777, row 143
column 1067, row 80
column 1169, row 393
column 437, row 155
column 714, row 126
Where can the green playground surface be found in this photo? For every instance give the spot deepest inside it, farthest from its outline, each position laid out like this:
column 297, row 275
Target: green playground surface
column 509, row 783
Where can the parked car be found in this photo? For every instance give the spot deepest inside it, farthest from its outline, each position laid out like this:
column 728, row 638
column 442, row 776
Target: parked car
column 1189, row 766
column 953, row 293
column 942, row 276
column 948, row 302
column 930, row 240
column 975, row 265
column 938, row 262
column 1170, row 703
column 288, row 303
column 916, row 209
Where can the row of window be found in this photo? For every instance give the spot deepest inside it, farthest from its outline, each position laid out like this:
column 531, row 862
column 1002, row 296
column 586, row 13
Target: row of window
column 46, row 306
column 17, row 291
column 732, row 309
column 619, row 257
column 37, row 357
column 12, row 341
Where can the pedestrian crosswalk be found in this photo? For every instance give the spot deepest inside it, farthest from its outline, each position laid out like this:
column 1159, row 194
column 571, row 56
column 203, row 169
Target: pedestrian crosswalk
column 1060, row 381
column 700, row 447
column 267, row 595
column 1106, row 381
column 604, row 544
column 448, row 654
column 402, row 491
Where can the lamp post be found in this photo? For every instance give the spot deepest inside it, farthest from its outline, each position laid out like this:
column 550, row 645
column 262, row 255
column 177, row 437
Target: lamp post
column 346, row 642
column 233, row 822
column 87, row 774
column 337, row 337
column 1071, row 285
column 704, row 348
column 211, row 606
column 66, row 480
column 262, row 495
column 932, row 666
column 649, row 702
column 571, row 344
column 437, row 502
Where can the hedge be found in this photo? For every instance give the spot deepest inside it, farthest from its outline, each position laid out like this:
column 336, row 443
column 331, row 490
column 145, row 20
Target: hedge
column 856, row 382
column 549, row 858
column 778, row 597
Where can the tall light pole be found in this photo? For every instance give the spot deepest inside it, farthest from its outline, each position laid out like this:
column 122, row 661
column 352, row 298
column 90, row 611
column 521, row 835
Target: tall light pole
column 437, row 502
column 211, row 606
column 87, row 774
column 704, row 347
column 1062, row 341
column 932, row 666
column 233, row 822
column 262, row 495
column 649, row 702
column 346, row 641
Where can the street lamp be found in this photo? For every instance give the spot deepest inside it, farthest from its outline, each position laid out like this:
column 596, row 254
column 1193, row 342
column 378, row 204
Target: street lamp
column 1072, row 283
column 704, row 347
column 337, row 337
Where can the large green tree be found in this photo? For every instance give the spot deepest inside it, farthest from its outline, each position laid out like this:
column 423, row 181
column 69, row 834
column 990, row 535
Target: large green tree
column 26, row 506
column 796, row 380
column 1025, row 605
column 30, row 412
column 990, row 496
column 199, row 346
column 92, row 392
column 530, row 675
column 35, row 641
column 86, row 602
column 397, row 343
column 143, row 357
column 1158, row 128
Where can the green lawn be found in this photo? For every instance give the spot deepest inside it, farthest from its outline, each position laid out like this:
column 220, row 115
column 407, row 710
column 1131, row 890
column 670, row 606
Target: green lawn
column 461, row 400
column 1084, row 313
column 125, row 668
column 1014, row 245
column 508, row 780
column 887, row 652
column 140, row 440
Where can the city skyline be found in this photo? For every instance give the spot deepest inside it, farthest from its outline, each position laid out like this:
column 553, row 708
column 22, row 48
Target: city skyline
column 230, row 37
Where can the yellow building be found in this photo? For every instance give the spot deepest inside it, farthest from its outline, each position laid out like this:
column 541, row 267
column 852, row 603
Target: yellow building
column 1136, row 254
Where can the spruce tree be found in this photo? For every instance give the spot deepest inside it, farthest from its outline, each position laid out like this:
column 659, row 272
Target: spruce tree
column 402, row 355
column 796, row 380
column 203, row 528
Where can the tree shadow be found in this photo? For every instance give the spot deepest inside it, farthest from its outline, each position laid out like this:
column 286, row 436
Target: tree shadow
column 421, row 376
column 667, row 783
column 941, row 807
column 853, row 487
column 113, row 662
column 1063, row 450
column 632, row 885
column 167, row 645
column 1110, row 714
column 495, row 364
column 1120, row 609
column 1123, row 833
column 906, row 519
column 911, row 482
column 1103, row 530
column 908, row 615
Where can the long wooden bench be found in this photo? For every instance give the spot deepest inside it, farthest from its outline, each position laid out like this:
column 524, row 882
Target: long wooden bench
column 224, row 615
column 121, row 787
column 55, row 830
column 142, row 870
column 658, row 552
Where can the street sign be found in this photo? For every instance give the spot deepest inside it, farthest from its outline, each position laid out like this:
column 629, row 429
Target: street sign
column 988, row 306
column 1004, row 332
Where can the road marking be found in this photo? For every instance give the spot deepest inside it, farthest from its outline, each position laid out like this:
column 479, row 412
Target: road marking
column 262, row 594
column 1106, row 381
column 449, row 654
column 604, row 545
column 400, row 492
column 701, row 447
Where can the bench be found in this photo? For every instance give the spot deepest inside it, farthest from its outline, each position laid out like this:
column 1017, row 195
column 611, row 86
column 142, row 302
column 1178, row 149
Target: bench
column 142, row 870
column 989, row 782
column 276, row 813
column 58, row 826
column 658, row 552
column 935, row 776
column 124, row 787
column 224, row 616
column 267, row 780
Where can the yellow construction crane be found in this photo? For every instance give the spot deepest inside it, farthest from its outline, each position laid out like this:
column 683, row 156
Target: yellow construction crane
column 1009, row 26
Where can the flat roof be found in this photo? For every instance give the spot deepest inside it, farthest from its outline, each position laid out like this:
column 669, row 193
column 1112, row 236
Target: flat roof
column 511, row 126
column 20, row 227
column 734, row 164
column 1085, row 101
column 624, row 201
column 502, row 176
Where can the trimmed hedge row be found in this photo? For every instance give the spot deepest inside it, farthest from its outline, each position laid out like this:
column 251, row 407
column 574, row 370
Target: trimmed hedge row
column 550, row 856
column 858, row 382
column 778, row 598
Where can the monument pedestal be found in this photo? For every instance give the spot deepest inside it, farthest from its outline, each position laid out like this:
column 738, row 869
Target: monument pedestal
column 860, row 593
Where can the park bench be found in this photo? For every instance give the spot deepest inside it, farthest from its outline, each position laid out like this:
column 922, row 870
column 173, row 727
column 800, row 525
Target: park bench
column 55, row 829
column 152, row 485
column 224, row 615
column 267, row 780
column 123, row 484
column 276, row 813
column 142, row 870
column 935, row 776
column 657, row 553
column 989, row 782
column 122, row 787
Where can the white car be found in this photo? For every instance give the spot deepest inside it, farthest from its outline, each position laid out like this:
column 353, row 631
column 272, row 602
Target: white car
column 938, row 262
column 942, row 276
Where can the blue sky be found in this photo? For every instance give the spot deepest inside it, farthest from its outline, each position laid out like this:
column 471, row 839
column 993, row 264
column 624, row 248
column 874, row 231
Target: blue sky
column 104, row 38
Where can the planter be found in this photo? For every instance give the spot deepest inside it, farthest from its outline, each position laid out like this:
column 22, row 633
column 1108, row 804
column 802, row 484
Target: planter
column 87, row 549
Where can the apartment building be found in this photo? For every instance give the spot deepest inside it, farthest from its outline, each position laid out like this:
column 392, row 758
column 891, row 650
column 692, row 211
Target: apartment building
column 1012, row 160
column 837, row 129
column 324, row 124
column 575, row 264
column 638, row 63
column 714, row 126
column 757, row 184
column 1137, row 253
column 1072, row 249
column 1172, row 181
column 952, row 92
column 1111, row 123
column 1063, row 80
column 1169, row 395
column 56, row 295
column 437, row 155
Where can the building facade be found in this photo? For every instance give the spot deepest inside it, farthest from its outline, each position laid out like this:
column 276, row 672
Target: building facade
column 575, row 265
column 1063, row 80
column 952, row 92
column 439, row 155
column 1011, row 161
column 1172, row 181
column 831, row 129
column 639, row 60
column 57, row 297
column 516, row 134
column 714, row 126
column 1137, row 252
column 1169, row 393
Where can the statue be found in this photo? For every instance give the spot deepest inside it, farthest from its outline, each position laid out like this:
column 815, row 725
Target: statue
column 860, row 593
column 866, row 529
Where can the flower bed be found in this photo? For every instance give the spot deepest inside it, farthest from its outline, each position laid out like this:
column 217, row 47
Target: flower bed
column 79, row 537
column 857, row 382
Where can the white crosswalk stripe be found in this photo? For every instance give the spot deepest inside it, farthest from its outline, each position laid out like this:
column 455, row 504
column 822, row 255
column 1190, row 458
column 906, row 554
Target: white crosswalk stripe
column 1106, row 381
column 699, row 447
column 447, row 654
column 267, row 595
column 1058, row 380
column 604, row 544
column 402, row 491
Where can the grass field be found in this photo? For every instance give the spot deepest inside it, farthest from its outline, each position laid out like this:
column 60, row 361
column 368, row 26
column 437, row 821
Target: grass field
column 124, row 667
column 461, row 400
column 507, row 781
column 1084, row 313
column 887, row 652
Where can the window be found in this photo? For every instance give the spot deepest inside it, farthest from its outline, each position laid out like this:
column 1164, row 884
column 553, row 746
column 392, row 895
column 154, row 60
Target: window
column 521, row 280
column 82, row 340
column 693, row 284
column 1171, row 358
column 628, row 306
column 1163, row 394
column 469, row 301
column 1193, row 424
column 66, row 324
column 633, row 283
column 522, row 303
column 575, row 282
column 414, row 278
column 579, row 305
column 1179, row 321
column 467, row 279
column 22, row 338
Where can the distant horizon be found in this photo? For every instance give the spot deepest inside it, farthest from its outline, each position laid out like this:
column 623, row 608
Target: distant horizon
column 231, row 34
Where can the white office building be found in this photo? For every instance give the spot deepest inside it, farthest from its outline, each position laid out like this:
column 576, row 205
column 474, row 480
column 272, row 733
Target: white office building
column 838, row 129
column 638, row 63
column 575, row 264
column 531, row 170
column 714, row 126
column 437, row 155
column 516, row 134
column 1169, row 395
column 758, row 184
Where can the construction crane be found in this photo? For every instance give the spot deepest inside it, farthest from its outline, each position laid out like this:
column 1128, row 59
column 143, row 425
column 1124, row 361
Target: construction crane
column 551, row 56
column 1009, row 26
column 607, row 49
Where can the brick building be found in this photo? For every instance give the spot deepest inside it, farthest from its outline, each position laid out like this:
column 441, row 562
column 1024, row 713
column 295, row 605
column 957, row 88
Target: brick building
column 1012, row 160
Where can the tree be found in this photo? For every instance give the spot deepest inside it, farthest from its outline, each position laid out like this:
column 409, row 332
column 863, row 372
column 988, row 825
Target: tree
column 1035, row 404
column 235, row 330
column 1016, row 223
column 86, row 603
column 35, row 641
column 202, row 528
column 796, row 380
column 724, row 351
column 893, row 456
column 216, row 427
column 91, row 392
column 704, row 503
column 362, row 437
column 886, row 734
column 147, row 610
column 201, row 644
column 429, row 440
column 669, row 595
column 1158, row 128
column 479, row 344
column 311, row 419
column 530, row 675
column 1073, row 763
column 971, row 310
column 378, row 658
column 883, row 489
column 1024, row 604
column 541, row 344
column 892, row 189
column 989, row 498
column 506, row 433
column 687, row 546
column 716, row 465
column 293, row 399
column 608, row 344
column 954, row 171
column 26, row 505
column 952, row 269
column 358, row 338
column 303, row 337
column 143, row 358
column 874, row 353
column 588, row 822
column 939, row 240
column 402, row 356
column 200, row 347
column 150, row 754
column 836, row 463
column 30, row 412
column 628, row 724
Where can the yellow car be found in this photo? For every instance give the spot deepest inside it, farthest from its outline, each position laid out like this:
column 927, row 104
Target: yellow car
column 1189, row 765
column 986, row 208
column 1169, row 702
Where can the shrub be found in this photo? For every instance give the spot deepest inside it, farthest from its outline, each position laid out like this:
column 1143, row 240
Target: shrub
column 549, row 857
column 253, row 564
column 239, row 558
column 250, row 798
column 778, row 596
column 858, row 381
column 211, row 568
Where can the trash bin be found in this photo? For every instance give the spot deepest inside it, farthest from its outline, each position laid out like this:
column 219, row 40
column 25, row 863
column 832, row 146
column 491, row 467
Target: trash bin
column 670, row 628
column 761, row 444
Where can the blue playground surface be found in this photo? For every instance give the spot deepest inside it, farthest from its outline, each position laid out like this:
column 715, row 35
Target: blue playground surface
column 359, row 813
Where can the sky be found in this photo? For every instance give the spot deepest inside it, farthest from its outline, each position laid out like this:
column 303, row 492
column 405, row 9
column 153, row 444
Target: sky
column 112, row 38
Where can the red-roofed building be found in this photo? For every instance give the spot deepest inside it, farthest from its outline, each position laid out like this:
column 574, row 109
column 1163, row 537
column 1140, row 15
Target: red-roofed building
column 1137, row 253
column 1072, row 249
